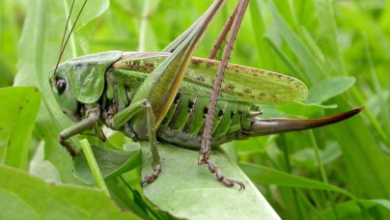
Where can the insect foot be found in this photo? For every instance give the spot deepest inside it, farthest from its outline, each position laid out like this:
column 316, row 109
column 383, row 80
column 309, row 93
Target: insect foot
column 153, row 176
column 62, row 138
column 221, row 177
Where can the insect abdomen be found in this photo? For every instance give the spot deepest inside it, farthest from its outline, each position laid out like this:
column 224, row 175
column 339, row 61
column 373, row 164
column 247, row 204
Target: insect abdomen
column 184, row 123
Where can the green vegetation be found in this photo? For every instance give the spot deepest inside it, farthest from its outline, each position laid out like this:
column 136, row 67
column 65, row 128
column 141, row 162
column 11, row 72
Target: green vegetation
column 339, row 49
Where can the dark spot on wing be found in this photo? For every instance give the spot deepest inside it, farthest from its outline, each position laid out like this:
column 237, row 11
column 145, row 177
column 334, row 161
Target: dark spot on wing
column 248, row 91
column 230, row 86
column 200, row 78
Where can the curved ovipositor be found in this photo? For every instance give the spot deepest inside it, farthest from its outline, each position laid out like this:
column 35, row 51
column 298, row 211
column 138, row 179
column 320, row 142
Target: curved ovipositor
column 275, row 126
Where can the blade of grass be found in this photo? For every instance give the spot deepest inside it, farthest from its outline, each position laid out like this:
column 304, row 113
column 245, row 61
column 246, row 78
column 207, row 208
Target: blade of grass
column 313, row 69
column 259, row 30
column 93, row 166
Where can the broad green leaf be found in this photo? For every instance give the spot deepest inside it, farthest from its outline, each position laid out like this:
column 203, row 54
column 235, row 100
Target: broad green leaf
column 252, row 145
column 187, row 190
column 306, row 158
column 9, row 35
column 134, row 203
column 26, row 197
column 41, row 168
column 329, row 88
column 111, row 163
column 18, row 109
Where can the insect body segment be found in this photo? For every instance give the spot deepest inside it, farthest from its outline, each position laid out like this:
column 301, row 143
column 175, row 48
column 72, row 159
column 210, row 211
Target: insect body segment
column 185, row 121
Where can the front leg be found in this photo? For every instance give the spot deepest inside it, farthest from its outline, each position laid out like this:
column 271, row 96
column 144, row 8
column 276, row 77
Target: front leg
column 153, row 145
column 92, row 116
column 130, row 113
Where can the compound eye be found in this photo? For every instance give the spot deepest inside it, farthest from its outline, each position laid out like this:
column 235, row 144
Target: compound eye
column 61, row 86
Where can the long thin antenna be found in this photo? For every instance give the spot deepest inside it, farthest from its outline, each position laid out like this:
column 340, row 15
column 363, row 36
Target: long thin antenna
column 65, row 40
column 66, row 26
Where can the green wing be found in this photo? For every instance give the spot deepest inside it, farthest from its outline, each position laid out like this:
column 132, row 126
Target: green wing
column 240, row 83
column 245, row 83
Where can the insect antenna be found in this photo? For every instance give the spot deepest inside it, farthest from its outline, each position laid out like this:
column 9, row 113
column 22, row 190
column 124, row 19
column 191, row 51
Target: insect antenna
column 65, row 39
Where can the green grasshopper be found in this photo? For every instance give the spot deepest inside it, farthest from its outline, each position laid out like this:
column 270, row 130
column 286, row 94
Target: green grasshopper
column 163, row 96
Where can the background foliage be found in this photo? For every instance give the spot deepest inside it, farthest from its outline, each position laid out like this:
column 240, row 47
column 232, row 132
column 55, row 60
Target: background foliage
column 337, row 172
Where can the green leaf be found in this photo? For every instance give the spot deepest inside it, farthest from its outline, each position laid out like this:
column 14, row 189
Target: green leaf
column 18, row 109
column 329, row 39
column 39, row 47
column 259, row 30
column 375, row 102
column 311, row 64
column 366, row 163
column 330, row 88
column 187, row 190
column 111, row 163
column 9, row 35
column 301, row 109
column 26, row 197
column 353, row 209
column 265, row 175
column 306, row 158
